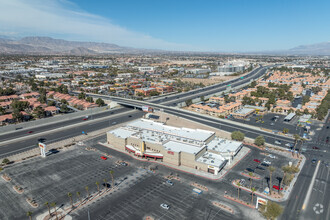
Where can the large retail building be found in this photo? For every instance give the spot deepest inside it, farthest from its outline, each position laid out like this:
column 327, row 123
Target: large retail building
column 193, row 148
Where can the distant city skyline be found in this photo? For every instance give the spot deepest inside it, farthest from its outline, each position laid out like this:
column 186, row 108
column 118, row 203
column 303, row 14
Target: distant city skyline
column 214, row 25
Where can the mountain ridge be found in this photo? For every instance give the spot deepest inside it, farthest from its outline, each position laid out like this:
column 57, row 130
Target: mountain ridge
column 51, row 46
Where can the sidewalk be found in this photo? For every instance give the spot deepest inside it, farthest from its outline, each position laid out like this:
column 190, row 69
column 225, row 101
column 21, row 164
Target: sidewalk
column 243, row 152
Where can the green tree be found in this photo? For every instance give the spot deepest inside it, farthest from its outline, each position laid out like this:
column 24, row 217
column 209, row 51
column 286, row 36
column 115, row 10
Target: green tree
column 70, row 196
column 271, row 169
column 79, row 197
column 5, row 161
column 89, row 99
column 305, row 99
column 285, row 130
column 251, row 175
column 39, row 112
column 154, row 93
column 99, row 102
column 53, row 204
column 252, row 192
column 238, row 189
column 63, row 101
column 81, row 95
column 237, row 135
column 17, row 115
column 272, row 210
column 188, row 102
column 20, row 105
column 112, row 179
column 48, row 206
column 98, row 186
column 285, row 170
column 259, row 141
column 105, row 183
column 87, row 190
column 29, row 214
column 51, row 103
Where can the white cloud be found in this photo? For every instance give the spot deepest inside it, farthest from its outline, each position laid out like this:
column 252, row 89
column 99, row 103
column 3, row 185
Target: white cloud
column 63, row 18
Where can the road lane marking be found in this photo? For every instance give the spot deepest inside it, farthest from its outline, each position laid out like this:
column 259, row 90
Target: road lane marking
column 311, row 186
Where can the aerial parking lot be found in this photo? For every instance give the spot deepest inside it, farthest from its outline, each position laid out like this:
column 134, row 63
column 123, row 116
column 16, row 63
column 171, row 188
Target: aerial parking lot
column 71, row 170
column 257, row 164
column 145, row 198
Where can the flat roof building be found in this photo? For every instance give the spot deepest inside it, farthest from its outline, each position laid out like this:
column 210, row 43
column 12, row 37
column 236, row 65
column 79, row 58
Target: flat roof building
column 194, row 148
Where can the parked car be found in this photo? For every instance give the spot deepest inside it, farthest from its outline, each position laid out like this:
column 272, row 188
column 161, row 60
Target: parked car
column 277, row 187
column 260, row 168
column 250, row 170
column 264, row 164
column 314, row 161
column 278, row 142
column 104, row 158
column 289, row 145
column 29, row 132
column 123, row 164
column 165, row 206
column 316, row 148
column 271, row 156
column 169, row 182
column 256, row 160
column 267, row 162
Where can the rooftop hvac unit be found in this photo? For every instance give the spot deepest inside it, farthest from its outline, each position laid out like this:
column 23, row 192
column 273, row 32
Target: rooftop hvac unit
column 212, row 161
column 204, row 161
column 213, row 148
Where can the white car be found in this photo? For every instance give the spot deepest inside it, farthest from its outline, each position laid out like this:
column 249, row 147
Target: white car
column 165, row 206
column 278, row 142
column 271, row 156
column 267, row 162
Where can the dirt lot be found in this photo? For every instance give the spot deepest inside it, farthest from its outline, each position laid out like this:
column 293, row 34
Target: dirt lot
column 209, row 81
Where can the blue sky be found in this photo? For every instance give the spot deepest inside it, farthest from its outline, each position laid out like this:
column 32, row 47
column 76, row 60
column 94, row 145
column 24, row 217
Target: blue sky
column 209, row 25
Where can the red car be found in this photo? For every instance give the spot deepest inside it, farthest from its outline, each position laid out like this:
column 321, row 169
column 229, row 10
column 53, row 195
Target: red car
column 256, row 160
column 103, row 158
column 277, row 187
column 85, row 119
column 315, row 148
column 29, row 132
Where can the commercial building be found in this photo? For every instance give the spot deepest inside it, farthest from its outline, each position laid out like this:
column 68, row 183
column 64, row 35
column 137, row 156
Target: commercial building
column 194, row 148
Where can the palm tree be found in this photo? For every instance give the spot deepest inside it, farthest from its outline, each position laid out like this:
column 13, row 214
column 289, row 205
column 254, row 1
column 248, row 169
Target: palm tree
column 47, row 204
column 29, row 214
column 253, row 190
column 239, row 187
column 87, row 191
column 251, row 175
column 285, row 170
column 53, row 204
column 70, row 196
column 98, row 186
column 105, row 183
column 112, row 179
column 271, row 170
column 78, row 194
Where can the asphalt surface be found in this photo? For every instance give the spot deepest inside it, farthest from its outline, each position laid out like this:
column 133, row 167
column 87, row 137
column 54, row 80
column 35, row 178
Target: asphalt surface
column 61, row 134
column 321, row 190
column 59, row 124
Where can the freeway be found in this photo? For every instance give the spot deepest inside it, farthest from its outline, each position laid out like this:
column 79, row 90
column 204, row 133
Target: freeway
column 207, row 120
column 39, row 129
column 65, row 133
column 212, row 89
